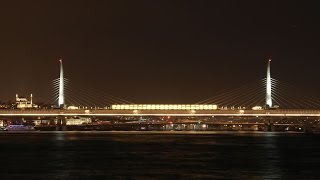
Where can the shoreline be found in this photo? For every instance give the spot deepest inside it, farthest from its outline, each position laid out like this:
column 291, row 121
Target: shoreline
column 153, row 132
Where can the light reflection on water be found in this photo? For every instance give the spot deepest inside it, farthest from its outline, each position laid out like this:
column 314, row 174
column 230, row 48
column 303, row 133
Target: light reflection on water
column 159, row 155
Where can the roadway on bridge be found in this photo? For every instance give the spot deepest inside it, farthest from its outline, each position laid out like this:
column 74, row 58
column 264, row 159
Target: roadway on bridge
column 104, row 112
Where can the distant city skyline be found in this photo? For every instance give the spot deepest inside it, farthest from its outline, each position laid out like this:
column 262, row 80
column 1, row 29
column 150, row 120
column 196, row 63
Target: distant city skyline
column 158, row 51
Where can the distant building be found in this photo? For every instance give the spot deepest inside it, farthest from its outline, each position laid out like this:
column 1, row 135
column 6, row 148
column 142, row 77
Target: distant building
column 72, row 107
column 78, row 121
column 2, row 106
column 22, row 102
column 257, row 108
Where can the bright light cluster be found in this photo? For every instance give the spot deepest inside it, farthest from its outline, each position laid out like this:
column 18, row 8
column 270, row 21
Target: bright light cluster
column 164, row 107
column 79, row 121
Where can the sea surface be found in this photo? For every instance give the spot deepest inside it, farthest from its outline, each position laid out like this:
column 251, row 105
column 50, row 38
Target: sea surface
column 159, row 155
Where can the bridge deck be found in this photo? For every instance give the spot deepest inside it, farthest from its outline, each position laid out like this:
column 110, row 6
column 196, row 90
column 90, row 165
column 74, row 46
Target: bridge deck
column 92, row 112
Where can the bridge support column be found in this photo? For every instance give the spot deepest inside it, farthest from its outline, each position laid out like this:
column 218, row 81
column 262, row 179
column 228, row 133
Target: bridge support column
column 269, row 127
column 190, row 127
column 61, row 124
column 64, row 125
column 272, row 127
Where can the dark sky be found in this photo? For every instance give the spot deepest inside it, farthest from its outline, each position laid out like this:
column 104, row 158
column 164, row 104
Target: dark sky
column 158, row 51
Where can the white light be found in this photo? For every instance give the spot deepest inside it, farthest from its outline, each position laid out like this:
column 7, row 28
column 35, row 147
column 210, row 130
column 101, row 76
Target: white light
column 164, row 107
column 268, row 87
column 61, row 86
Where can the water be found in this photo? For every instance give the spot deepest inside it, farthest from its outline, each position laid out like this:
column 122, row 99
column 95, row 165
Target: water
column 158, row 155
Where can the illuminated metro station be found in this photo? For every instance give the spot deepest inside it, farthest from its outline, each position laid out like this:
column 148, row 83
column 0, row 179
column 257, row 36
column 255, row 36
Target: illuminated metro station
column 164, row 107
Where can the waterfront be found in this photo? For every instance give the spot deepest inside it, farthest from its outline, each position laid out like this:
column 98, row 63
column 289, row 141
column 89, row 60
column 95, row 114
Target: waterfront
column 159, row 155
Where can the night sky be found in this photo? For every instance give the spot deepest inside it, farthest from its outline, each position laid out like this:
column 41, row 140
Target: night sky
column 158, row 51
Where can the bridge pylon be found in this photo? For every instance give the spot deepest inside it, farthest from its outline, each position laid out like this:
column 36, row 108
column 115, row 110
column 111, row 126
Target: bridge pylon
column 61, row 87
column 268, row 87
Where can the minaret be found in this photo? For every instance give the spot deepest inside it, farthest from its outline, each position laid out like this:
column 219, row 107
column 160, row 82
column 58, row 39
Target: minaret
column 61, row 87
column 31, row 100
column 268, row 87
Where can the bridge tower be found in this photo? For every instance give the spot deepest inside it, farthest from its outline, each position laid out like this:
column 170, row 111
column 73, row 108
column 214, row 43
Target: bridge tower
column 268, row 87
column 61, row 87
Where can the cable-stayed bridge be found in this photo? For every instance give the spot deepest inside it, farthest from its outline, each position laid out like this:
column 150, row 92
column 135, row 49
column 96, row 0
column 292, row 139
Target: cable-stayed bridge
column 267, row 102
column 265, row 97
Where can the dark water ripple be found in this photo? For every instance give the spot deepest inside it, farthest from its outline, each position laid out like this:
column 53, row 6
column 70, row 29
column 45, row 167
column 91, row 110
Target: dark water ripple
column 150, row 155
